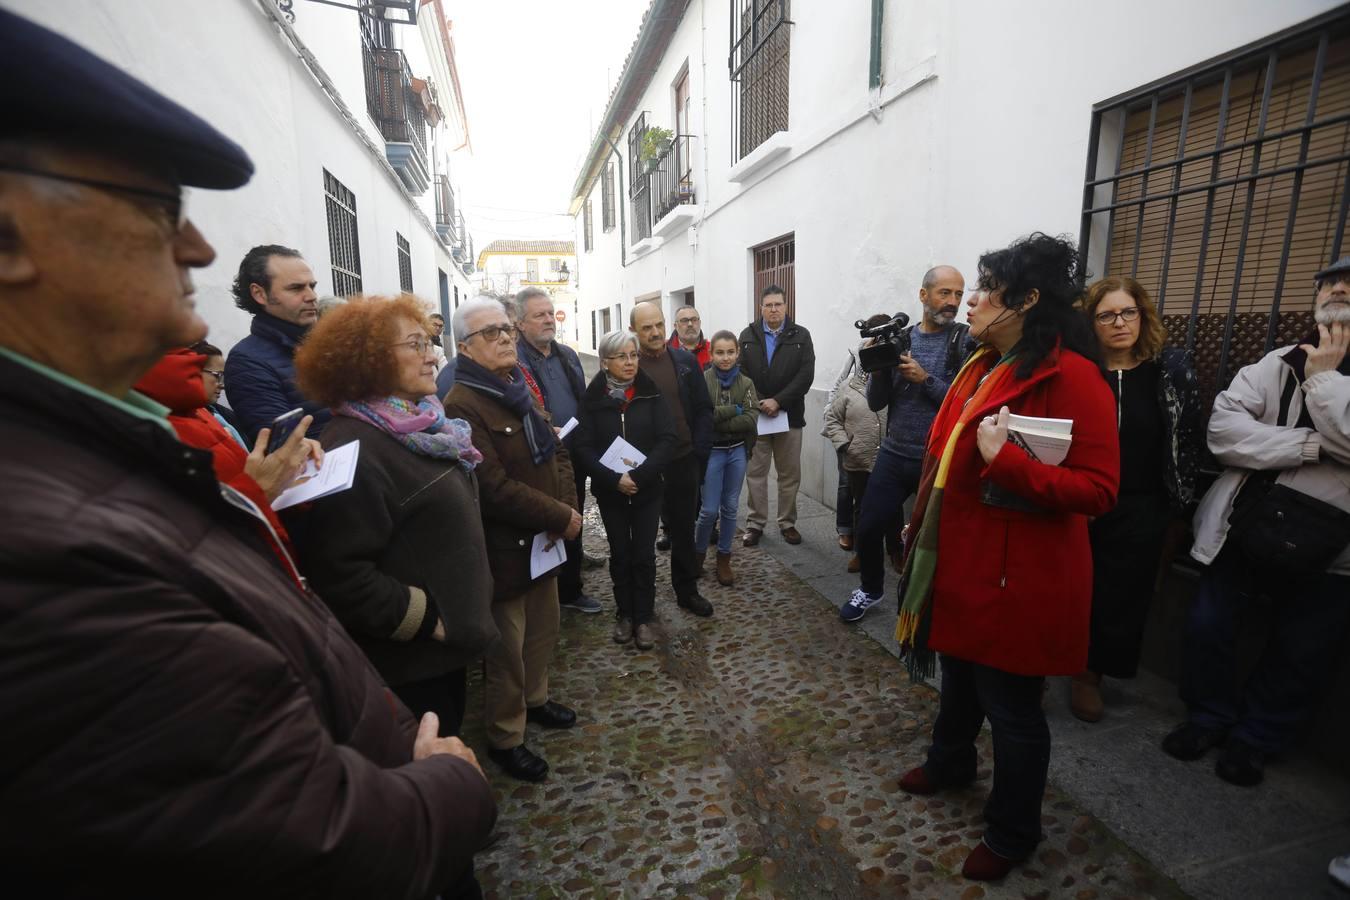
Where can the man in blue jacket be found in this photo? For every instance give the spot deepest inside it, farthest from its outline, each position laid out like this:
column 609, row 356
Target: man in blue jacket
column 679, row 378
column 276, row 286
column 556, row 368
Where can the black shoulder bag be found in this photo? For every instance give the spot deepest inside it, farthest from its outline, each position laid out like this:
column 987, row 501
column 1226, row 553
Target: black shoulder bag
column 1277, row 527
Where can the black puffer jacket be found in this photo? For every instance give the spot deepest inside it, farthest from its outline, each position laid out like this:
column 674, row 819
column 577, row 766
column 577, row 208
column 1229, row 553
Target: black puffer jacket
column 647, row 423
column 176, row 711
column 407, row 521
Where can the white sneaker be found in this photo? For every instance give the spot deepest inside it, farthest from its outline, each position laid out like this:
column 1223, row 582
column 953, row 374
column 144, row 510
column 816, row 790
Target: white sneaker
column 857, row 606
column 1339, row 870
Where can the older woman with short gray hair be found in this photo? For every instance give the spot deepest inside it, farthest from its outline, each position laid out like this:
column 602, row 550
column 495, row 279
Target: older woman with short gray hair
column 622, row 402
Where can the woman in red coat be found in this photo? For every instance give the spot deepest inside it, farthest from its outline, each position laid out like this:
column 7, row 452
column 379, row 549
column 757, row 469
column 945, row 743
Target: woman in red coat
column 998, row 577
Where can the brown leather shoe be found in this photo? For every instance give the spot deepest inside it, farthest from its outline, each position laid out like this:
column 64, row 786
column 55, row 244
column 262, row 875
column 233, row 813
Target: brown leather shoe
column 751, row 538
column 623, row 631
column 644, row 637
column 855, row 564
column 845, row 542
column 725, row 576
column 1085, row 697
column 791, row 535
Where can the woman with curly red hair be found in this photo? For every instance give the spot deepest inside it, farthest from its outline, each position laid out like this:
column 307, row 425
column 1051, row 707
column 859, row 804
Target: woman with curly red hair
column 400, row 558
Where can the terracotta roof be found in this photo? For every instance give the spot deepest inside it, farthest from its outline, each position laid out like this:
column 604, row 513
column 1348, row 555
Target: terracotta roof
column 544, row 248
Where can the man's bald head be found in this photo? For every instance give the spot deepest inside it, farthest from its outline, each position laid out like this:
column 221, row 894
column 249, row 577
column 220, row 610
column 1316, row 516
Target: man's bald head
column 648, row 322
column 940, row 295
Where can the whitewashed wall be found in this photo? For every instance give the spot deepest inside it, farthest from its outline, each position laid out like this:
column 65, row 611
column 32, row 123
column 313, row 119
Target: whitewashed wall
column 226, row 61
column 978, row 135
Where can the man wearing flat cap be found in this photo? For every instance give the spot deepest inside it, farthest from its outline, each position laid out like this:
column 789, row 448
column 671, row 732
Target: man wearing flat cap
column 181, row 717
column 1276, row 522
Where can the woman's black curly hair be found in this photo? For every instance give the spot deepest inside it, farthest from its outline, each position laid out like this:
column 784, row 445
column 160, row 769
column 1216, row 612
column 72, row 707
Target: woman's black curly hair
column 1049, row 265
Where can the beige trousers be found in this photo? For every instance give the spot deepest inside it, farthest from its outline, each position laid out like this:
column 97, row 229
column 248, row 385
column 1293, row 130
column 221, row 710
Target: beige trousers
column 516, row 667
column 784, row 450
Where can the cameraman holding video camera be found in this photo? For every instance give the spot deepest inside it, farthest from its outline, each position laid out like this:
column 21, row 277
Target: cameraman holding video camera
column 911, row 391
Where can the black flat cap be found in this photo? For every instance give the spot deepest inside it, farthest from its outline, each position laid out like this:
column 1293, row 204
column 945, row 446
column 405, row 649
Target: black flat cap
column 53, row 88
column 1339, row 267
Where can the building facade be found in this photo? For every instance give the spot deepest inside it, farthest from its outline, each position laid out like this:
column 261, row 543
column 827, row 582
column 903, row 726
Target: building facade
column 506, row 266
column 352, row 119
column 840, row 150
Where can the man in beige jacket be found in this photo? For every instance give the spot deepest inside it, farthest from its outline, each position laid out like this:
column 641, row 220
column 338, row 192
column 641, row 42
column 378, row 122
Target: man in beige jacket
column 1289, row 413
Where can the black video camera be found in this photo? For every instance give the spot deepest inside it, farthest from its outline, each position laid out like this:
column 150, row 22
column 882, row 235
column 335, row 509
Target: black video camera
column 891, row 342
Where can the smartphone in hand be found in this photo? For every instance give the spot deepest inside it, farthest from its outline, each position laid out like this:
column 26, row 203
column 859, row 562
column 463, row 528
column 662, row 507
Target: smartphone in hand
column 282, row 426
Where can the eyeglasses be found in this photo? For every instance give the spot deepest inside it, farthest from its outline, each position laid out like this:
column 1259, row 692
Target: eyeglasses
column 1128, row 314
column 692, row 320
column 218, row 375
column 491, row 333
column 172, row 204
column 624, row 357
column 419, row 345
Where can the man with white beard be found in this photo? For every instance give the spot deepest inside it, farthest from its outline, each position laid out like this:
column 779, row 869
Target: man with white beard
column 1276, row 522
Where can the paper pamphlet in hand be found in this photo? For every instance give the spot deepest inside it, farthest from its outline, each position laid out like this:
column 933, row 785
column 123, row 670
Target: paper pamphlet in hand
column 622, row 457
column 1047, row 440
column 771, row 424
column 337, row 474
column 567, row 428
column 546, row 554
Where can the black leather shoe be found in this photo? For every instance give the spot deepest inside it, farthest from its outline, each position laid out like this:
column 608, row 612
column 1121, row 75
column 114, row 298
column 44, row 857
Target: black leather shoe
column 520, row 762
column 1241, row 764
column 1190, row 741
column 663, row 542
column 697, row 604
column 551, row 715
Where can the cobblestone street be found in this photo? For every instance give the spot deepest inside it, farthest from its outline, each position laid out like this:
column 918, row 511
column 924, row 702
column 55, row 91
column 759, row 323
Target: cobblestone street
column 756, row 754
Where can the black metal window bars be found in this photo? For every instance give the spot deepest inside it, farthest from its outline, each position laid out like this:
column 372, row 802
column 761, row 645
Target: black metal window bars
column 1223, row 189
column 639, row 192
column 404, row 263
column 344, row 246
column 672, row 178
column 758, row 63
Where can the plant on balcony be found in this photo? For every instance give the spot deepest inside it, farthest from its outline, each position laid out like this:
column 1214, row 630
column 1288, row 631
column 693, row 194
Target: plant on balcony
column 655, row 142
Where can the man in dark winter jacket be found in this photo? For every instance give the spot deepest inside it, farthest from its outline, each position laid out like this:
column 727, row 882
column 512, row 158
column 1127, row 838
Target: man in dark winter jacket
column 911, row 393
column 777, row 355
column 556, row 369
column 679, row 378
column 181, row 716
column 276, row 286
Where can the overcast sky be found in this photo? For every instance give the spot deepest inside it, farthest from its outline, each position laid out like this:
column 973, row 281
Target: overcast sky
column 536, row 75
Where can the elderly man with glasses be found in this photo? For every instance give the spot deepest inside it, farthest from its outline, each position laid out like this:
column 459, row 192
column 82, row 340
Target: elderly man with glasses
column 526, row 487
column 180, row 714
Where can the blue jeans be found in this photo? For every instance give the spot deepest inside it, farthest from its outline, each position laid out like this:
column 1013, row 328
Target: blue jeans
column 1012, row 703
column 721, row 491
column 1304, row 628
column 893, row 480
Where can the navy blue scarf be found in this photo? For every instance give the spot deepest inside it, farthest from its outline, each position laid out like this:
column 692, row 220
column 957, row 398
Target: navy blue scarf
column 728, row 378
column 514, row 395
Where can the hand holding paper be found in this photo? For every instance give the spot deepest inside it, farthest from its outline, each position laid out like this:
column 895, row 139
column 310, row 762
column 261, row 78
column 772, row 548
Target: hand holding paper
column 766, row 424
column 622, row 457
column 546, row 554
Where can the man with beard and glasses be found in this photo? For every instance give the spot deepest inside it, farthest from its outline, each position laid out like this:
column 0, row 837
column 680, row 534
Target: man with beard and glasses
column 1282, row 425
column 911, row 393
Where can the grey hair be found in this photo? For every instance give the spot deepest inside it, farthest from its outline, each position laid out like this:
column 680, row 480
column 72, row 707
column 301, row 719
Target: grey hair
column 615, row 341
column 526, row 294
column 34, row 155
column 686, row 306
column 328, row 304
column 459, row 322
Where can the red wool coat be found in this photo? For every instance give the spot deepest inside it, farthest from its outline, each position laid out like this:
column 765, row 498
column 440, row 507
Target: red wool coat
column 1013, row 589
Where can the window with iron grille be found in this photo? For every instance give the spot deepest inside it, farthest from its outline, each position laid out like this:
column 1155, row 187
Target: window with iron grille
column 587, row 239
column 639, row 186
column 760, row 53
column 344, row 247
column 404, row 263
column 607, row 198
column 1222, row 190
column 775, row 262
column 555, row 265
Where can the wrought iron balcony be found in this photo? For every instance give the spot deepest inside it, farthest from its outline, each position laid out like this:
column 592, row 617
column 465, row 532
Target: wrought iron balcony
column 446, row 224
column 399, row 112
column 671, row 177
